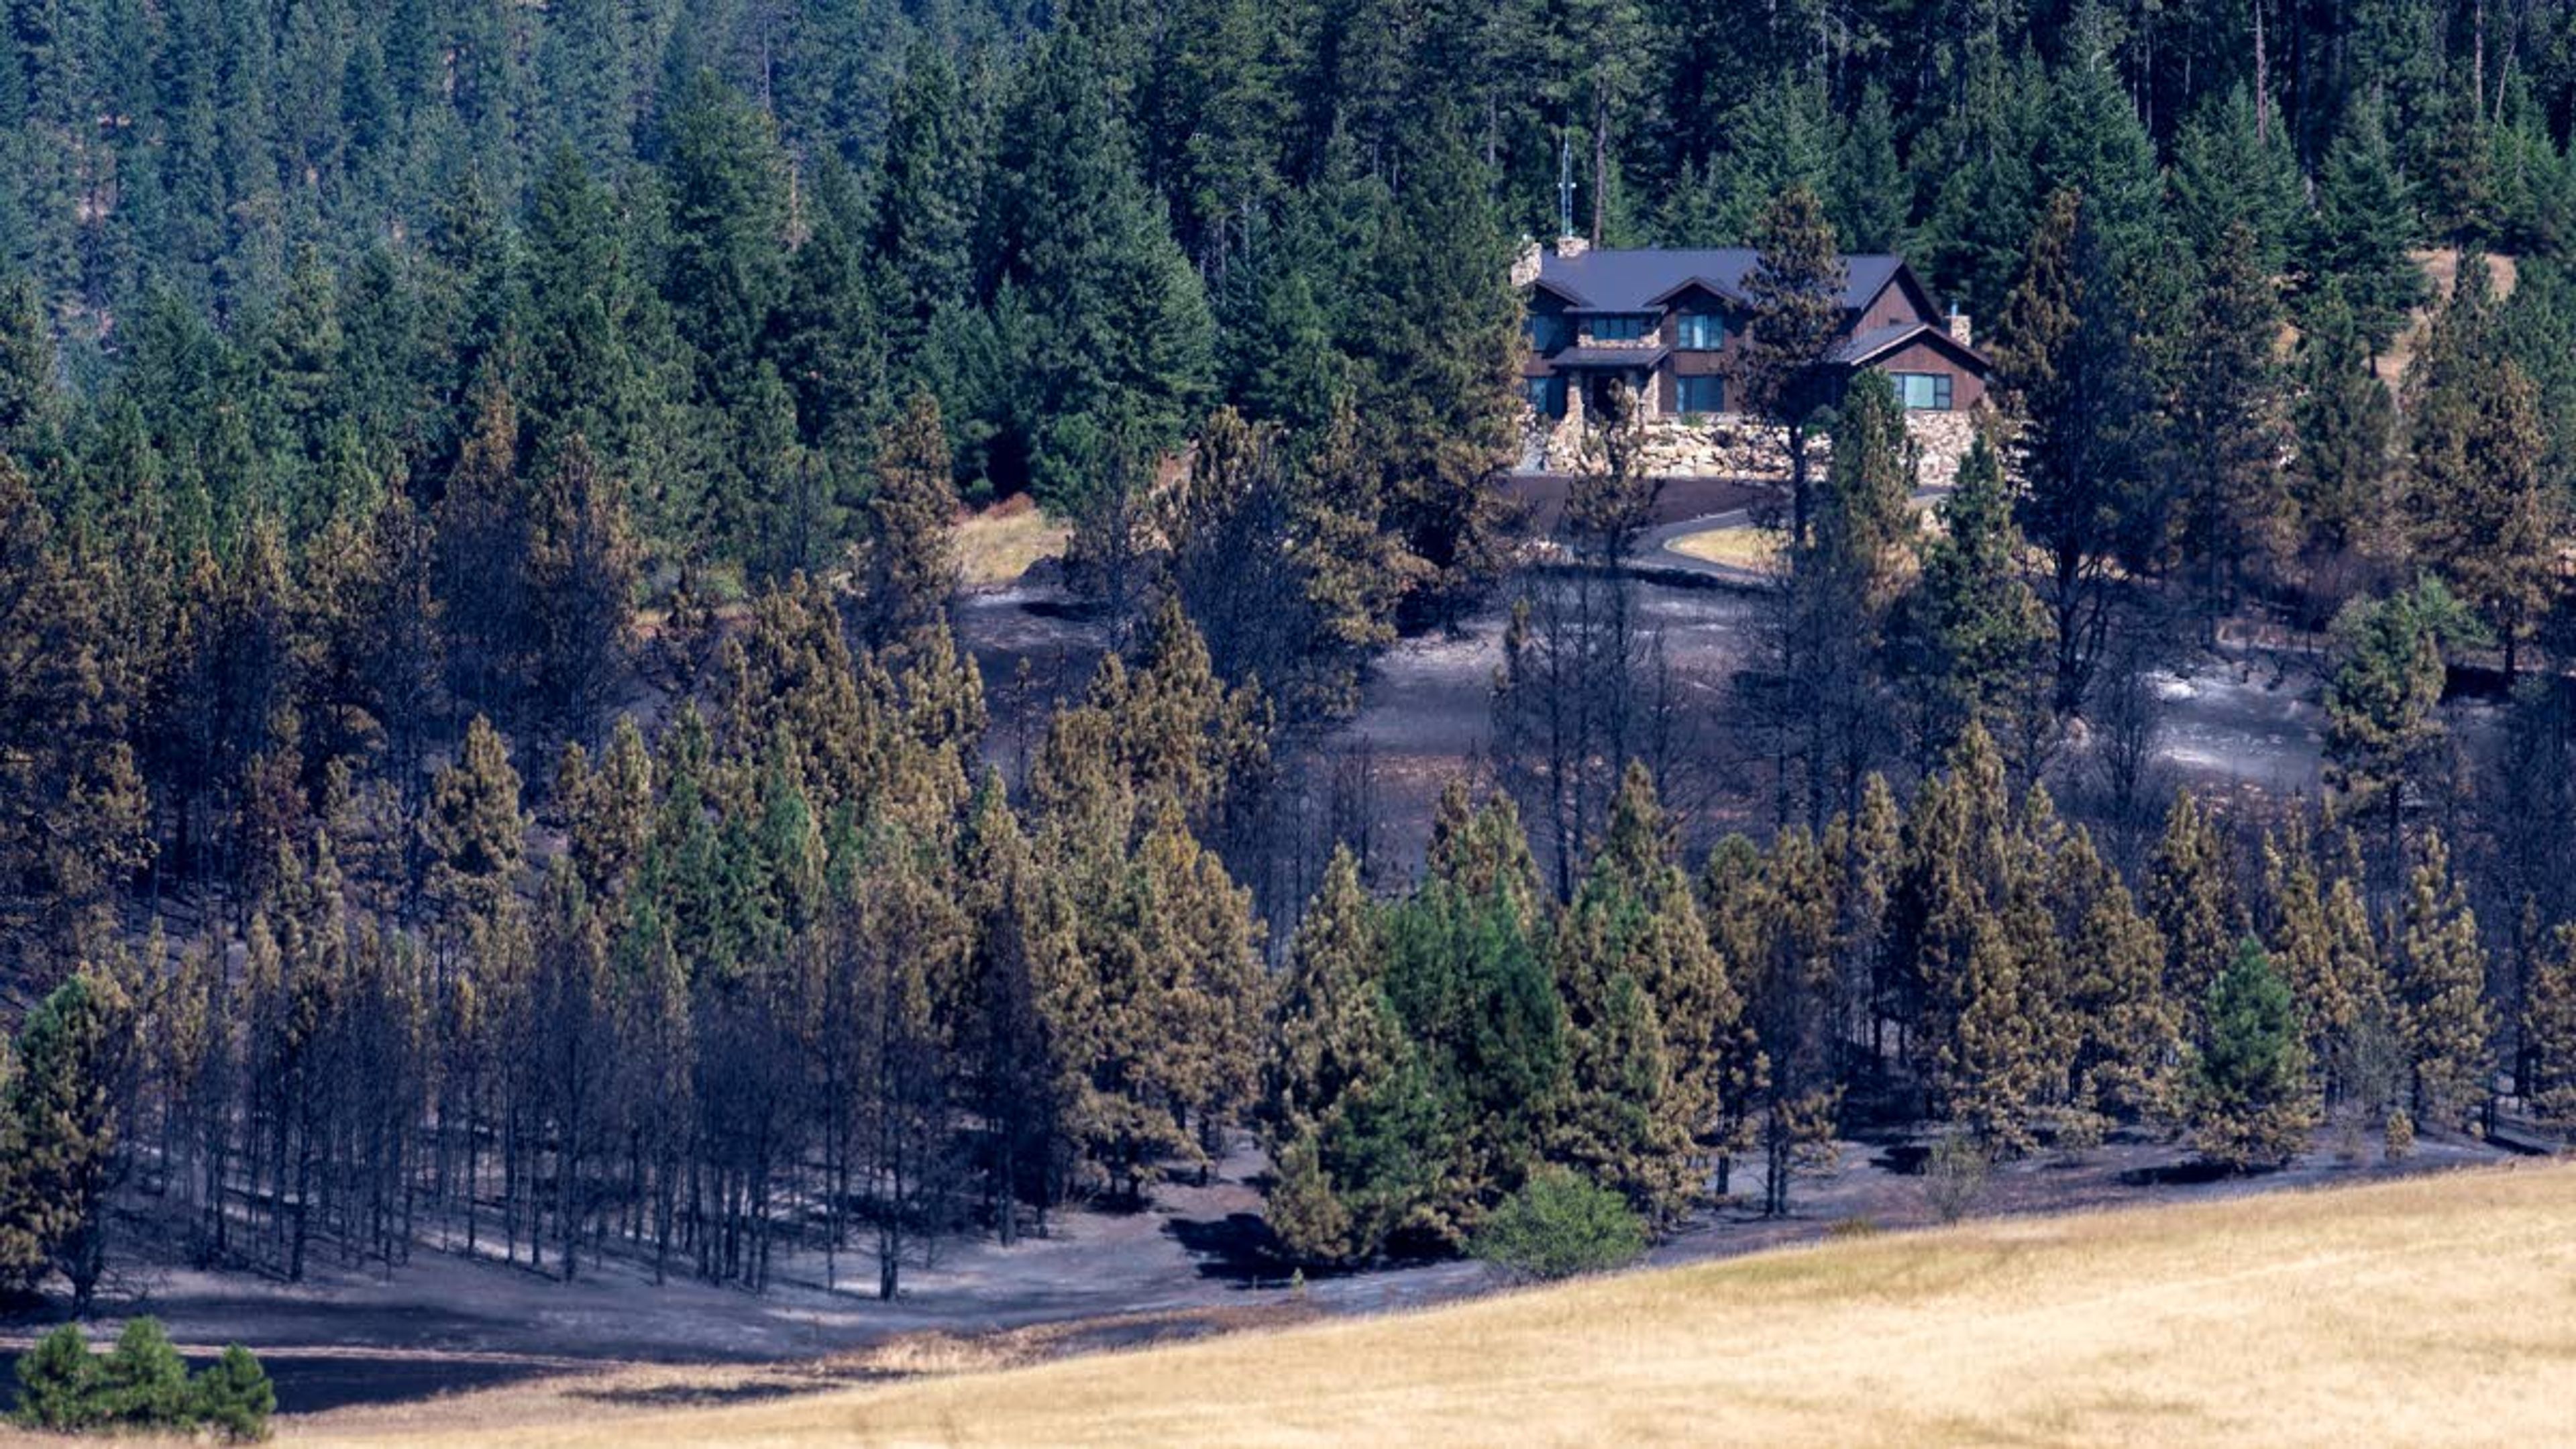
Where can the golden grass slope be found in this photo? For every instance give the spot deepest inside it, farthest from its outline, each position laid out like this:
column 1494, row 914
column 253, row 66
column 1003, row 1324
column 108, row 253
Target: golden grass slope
column 2425, row 1312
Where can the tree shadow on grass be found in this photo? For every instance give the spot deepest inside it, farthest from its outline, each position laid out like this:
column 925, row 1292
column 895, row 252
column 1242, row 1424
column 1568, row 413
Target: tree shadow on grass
column 1238, row 1249
column 2190, row 1172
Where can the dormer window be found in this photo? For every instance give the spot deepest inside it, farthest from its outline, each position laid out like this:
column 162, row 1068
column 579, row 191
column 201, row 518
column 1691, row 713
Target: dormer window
column 1622, row 327
column 1701, row 332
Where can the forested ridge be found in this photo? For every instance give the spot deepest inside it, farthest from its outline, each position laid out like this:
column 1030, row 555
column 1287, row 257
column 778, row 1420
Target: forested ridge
column 486, row 761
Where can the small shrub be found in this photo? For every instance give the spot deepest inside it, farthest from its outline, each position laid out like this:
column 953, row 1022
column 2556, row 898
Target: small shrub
column 142, row 1382
column 58, row 1383
column 1559, row 1225
column 1955, row 1177
column 232, row 1395
column 2399, row 1139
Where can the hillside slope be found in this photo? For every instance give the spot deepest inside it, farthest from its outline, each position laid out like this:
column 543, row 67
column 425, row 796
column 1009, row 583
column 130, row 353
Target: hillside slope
column 2432, row 1311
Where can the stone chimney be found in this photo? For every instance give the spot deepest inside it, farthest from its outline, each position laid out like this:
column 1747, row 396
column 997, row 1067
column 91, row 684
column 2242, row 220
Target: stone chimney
column 1570, row 247
column 1525, row 265
column 1960, row 328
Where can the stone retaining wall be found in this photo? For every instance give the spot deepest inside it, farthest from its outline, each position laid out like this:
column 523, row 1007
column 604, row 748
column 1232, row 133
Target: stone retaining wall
column 1729, row 445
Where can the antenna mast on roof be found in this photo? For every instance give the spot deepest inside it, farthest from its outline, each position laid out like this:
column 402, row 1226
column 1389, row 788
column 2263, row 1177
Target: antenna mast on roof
column 1564, row 184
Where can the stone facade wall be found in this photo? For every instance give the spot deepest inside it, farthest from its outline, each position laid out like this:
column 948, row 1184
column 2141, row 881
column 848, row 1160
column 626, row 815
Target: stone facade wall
column 1730, row 445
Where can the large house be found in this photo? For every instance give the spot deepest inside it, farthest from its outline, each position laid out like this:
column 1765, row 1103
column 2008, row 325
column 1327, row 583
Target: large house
column 1667, row 324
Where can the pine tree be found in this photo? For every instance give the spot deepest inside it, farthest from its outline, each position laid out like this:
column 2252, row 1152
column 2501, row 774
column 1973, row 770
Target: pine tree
column 473, row 833
column 1018, row 1073
column 2303, row 942
column 2251, row 1099
column 1435, row 333
column 1780, row 934
column 1129, row 343
column 1657, row 1047
column 2380, row 721
column 2442, row 991
column 2129, row 1026
column 727, row 183
column 1483, row 853
column 609, row 811
column 1476, row 996
column 2346, row 426
column 830, row 338
column 2191, row 896
column 1988, row 1065
column 2549, row 1027
column 31, row 403
column 2482, row 518
column 142, row 1382
column 1969, row 637
column 2072, row 377
column 2357, row 248
column 1794, row 300
column 25, row 1218
column 1842, row 585
column 233, row 1395
column 69, row 1102
column 482, row 541
column 1349, row 1112
column 923, row 211
column 1867, row 199
column 2228, row 421
column 583, row 567
column 910, row 558
column 58, row 1383
column 2230, row 169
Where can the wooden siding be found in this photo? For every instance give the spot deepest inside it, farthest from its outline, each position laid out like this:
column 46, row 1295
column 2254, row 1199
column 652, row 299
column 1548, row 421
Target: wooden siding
column 1897, row 304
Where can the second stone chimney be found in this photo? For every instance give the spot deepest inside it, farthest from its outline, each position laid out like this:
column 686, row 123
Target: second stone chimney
column 1960, row 328
column 1570, row 247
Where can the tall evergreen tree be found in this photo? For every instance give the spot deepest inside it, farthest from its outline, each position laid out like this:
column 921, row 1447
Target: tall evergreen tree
column 1350, row 1116
column 1128, row 349
column 2442, row 979
column 2251, row 1100
column 1970, row 636
column 1786, row 371
column 2229, row 423
column 910, row 559
column 2072, row 377
column 74, row 1054
column 2356, row 248
column 2483, row 518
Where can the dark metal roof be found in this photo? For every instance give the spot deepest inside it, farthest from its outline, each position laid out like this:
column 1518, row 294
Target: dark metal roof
column 1879, row 341
column 1642, row 280
column 1609, row 357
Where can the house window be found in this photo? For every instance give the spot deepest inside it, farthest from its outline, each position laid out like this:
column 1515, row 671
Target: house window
column 1927, row 391
column 1625, row 328
column 1702, row 332
column 1699, row 394
column 1547, row 396
column 1548, row 331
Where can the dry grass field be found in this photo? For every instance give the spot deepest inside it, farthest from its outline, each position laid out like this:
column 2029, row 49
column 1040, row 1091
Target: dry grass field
column 2438, row 1310
column 996, row 546
column 1739, row 546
